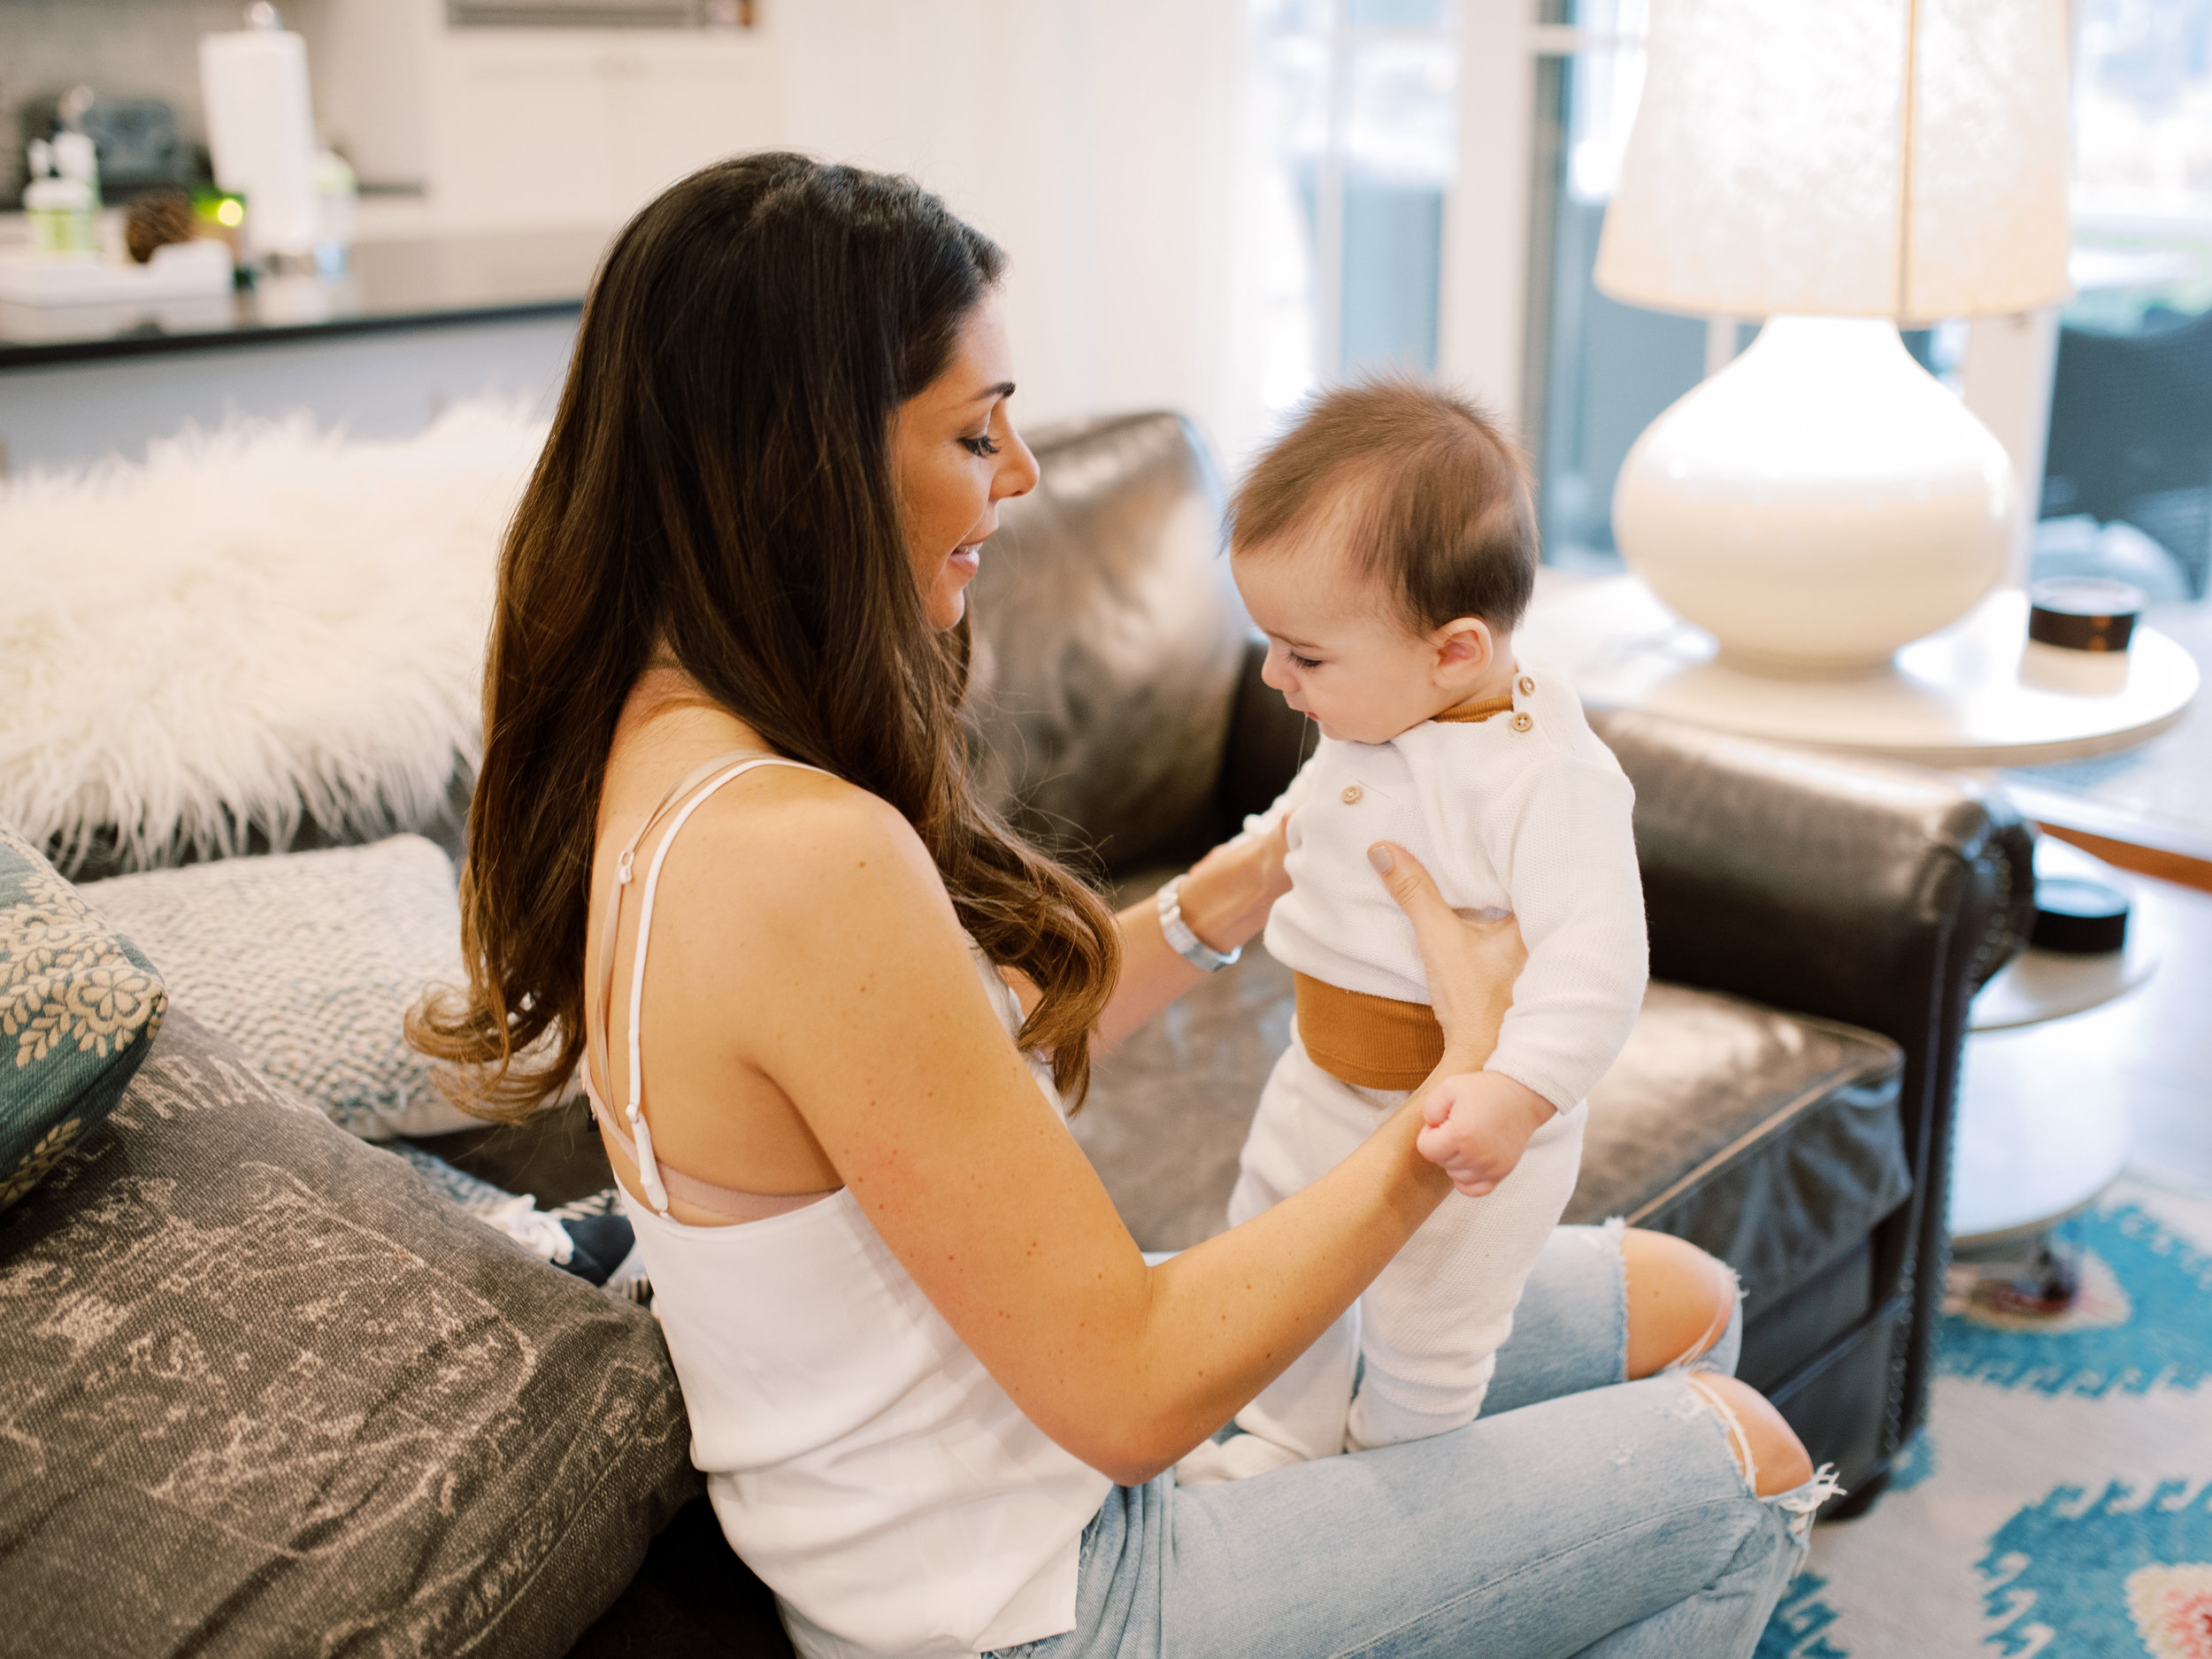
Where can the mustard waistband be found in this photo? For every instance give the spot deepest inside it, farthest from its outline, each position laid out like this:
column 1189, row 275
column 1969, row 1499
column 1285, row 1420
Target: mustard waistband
column 1373, row 1041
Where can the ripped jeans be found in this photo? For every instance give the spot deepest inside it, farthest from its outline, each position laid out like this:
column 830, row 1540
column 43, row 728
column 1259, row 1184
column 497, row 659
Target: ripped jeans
column 1579, row 1515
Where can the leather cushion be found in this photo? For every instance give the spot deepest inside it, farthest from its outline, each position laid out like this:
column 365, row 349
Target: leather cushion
column 1772, row 1140
column 1769, row 1138
column 1107, row 642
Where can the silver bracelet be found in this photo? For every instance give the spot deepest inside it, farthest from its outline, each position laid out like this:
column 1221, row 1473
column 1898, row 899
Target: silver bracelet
column 1188, row 945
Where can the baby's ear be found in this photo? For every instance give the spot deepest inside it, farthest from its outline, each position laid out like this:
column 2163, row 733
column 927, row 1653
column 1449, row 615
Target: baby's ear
column 1464, row 647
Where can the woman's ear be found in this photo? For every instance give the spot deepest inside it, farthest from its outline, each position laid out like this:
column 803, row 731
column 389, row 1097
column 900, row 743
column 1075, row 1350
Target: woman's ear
column 1465, row 650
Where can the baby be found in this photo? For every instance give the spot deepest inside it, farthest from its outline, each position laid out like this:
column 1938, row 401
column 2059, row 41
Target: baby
column 1387, row 546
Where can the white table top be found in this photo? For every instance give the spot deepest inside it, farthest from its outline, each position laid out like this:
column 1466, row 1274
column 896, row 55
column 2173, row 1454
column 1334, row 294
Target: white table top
column 2040, row 1135
column 2039, row 1139
column 1978, row 694
column 2040, row 985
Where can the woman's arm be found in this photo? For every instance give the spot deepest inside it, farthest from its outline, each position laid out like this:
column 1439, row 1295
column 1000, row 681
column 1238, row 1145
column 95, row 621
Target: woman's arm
column 829, row 926
column 1224, row 897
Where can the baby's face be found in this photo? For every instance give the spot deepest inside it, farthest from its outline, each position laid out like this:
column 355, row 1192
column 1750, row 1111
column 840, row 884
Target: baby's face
column 1337, row 647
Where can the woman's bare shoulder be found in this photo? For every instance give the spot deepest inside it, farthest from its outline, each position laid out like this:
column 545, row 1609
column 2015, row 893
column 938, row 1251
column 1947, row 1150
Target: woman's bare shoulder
column 786, row 846
column 815, row 907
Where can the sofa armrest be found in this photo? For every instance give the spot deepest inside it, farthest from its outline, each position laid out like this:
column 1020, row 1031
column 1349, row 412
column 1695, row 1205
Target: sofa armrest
column 1883, row 896
column 1749, row 849
column 1815, row 882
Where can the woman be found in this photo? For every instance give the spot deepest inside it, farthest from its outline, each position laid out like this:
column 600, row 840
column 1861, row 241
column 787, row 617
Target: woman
column 937, row 1391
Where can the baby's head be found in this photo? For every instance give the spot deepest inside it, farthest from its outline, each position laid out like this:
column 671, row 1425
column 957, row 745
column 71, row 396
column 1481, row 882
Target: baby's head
column 1386, row 547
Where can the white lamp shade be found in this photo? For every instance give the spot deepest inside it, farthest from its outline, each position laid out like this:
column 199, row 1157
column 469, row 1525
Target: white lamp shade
column 1897, row 158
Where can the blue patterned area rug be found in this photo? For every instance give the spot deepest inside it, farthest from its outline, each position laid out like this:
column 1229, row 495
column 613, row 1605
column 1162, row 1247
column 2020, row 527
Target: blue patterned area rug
column 2060, row 1502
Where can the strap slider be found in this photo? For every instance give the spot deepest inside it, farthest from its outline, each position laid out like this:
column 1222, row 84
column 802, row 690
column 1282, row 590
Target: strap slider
column 622, row 870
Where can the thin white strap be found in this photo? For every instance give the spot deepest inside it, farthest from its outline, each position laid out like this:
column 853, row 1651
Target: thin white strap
column 604, row 973
column 649, row 1172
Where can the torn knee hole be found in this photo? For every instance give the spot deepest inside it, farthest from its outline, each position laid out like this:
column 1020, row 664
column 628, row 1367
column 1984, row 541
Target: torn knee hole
column 1738, row 1442
column 1727, row 1292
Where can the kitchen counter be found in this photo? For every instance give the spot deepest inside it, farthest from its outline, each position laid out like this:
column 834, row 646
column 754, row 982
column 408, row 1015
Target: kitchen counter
column 411, row 283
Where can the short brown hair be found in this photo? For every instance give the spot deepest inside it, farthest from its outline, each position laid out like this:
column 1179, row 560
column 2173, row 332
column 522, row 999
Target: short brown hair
column 1443, row 511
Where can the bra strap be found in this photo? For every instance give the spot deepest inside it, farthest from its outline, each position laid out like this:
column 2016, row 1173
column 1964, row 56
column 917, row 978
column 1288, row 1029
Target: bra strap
column 727, row 1202
column 634, row 1109
column 605, row 964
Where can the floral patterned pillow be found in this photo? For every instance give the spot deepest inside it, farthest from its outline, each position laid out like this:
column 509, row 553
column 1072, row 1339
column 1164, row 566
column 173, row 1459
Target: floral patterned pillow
column 78, row 1006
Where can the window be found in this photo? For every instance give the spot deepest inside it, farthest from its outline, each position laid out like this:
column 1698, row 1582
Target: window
column 1354, row 105
column 1598, row 372
column 2127, row 485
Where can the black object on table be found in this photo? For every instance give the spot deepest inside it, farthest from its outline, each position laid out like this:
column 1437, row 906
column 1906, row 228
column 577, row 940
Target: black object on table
column 2084, row 613
column 2079, row 916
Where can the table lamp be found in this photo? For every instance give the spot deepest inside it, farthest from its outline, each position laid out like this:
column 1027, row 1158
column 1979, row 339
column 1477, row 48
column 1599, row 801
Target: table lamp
column 1837, row 168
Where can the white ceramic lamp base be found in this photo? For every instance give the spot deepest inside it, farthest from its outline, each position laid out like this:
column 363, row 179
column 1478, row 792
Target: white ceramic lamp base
column 1820, row 502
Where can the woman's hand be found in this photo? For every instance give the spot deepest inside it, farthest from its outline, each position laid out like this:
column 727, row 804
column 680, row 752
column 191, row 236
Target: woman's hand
column 1226, row 896
column 1224, row 899
column 1472, row 966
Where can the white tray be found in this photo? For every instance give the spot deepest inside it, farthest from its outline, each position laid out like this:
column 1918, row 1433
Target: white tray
column 181, row 271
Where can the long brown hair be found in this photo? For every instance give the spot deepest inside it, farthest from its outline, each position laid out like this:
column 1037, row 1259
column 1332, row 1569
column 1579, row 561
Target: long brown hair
column 719, row 477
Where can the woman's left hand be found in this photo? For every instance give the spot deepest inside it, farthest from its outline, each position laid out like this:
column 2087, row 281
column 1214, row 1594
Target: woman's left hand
column 1224, row 899
column 1226, row 896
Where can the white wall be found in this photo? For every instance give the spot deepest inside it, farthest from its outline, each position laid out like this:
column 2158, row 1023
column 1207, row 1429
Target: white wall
column 1101, row 144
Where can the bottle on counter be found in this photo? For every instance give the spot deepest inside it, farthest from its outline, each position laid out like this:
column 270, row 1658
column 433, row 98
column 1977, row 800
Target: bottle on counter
column 337, row 191
column 62, row 195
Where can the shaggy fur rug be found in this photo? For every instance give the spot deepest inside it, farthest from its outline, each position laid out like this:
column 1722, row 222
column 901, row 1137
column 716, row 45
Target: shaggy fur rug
column 254, row 623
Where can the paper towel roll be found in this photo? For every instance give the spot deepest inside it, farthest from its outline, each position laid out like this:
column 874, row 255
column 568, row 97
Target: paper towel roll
column 261, row 131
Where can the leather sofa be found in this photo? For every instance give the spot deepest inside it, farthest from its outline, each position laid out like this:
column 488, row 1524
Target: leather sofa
column 1817, row 931
column 1818, row 927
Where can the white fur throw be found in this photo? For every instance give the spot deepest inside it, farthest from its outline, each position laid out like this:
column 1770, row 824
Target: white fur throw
column 253, row 622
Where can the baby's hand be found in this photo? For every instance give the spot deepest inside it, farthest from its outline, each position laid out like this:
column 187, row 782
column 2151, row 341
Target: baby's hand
column 1478, row 1124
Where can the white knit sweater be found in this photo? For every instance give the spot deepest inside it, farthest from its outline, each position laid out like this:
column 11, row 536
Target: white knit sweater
column 1527, row 816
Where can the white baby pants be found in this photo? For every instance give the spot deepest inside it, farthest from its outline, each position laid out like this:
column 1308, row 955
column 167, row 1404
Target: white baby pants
column 1430, row 1327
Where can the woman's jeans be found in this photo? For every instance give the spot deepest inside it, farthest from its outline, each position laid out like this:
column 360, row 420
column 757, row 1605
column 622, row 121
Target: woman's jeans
column 1578, row 1515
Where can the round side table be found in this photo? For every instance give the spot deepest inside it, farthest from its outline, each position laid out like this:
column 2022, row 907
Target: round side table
column 2039, row 1141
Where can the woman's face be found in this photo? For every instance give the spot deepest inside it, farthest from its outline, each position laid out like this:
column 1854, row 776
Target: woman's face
column 958, row 456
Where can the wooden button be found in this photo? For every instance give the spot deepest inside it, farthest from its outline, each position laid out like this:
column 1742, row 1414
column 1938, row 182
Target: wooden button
column 1528, row 685
column 1352, row 793
column 1522, row 723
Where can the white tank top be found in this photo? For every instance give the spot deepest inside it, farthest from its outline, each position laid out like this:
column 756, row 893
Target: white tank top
column 859, row 1457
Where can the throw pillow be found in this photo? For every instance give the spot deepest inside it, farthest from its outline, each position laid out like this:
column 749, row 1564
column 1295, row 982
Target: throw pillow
column 309, row 963
column 255, row 624
column 268, row 1392
column 78, row 1006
